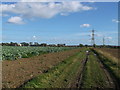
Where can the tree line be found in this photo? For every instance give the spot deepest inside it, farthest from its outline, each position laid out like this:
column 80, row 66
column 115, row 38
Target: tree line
column 55, row 45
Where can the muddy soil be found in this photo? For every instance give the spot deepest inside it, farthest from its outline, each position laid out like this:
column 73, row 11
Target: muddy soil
column 15, row 73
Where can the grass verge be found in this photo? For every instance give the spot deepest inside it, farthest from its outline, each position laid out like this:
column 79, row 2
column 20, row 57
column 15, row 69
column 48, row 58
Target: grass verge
column 111, row 66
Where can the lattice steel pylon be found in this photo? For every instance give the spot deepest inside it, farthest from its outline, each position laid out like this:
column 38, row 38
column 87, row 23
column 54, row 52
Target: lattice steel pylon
column 93, row 38
column 103, row 40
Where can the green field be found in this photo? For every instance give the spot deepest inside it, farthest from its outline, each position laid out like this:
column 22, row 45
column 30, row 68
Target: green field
column 15, row 52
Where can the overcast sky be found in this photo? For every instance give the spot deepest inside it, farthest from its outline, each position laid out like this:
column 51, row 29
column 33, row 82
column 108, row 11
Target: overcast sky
column 60, row 22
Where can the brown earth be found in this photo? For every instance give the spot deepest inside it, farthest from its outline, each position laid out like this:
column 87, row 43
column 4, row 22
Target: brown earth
column 110, row 53
column 113, row 55
column 15, row 73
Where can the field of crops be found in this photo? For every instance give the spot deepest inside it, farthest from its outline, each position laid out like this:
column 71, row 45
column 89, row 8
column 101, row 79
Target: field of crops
column 76, row 68
column 13, row 53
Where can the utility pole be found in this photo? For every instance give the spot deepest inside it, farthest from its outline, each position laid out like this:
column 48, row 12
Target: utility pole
column 93, row 38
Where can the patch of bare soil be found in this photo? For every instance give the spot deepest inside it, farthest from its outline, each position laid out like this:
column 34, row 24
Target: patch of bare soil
column 15, row 73
column 112, row 52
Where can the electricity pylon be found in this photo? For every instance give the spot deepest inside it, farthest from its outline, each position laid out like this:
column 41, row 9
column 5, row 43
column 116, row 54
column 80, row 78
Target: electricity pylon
column 103, row 41
column 93, row 37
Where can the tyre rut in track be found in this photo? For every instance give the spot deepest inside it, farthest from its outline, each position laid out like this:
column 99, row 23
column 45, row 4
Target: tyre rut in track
column 111, row 79
column 78, row 81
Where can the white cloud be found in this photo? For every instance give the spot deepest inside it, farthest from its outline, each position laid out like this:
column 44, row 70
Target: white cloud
column 44, row 10
column 15, row 20
column 115, row 20
column 82, row 34
column 99, row 35
column 64, row 14
column 85, row 25
column 108, row 37
column 37, row 0
column 34, row 36
column 91, row 1
column 4, row 15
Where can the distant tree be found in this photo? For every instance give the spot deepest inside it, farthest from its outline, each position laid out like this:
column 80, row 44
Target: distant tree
column 60, row 45
column 43, row 44
column 30, row 43
column 24, row 44
column 36, row 43
column 81, row 45
column 52, row 45
column 13, row 44
column 94, row 45
column 5, row 44
column 86, row 45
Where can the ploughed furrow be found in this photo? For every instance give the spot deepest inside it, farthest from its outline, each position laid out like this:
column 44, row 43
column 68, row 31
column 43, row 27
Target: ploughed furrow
column 95, row 74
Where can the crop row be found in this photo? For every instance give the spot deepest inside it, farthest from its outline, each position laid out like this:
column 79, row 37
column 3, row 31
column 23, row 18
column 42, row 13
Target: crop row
column 14, row 52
